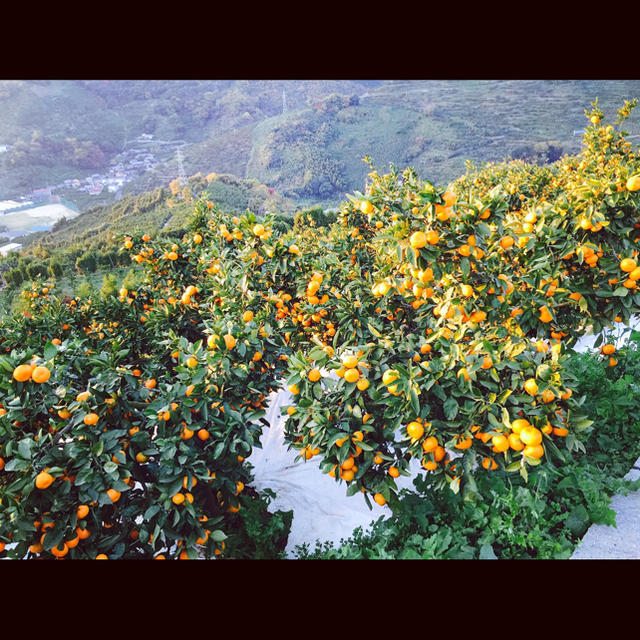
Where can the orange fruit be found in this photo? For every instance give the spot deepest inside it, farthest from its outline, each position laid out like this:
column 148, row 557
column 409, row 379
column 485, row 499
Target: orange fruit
column 515, row 443
column 363, row 384
column 203, row 434
column 608, row 349
column 83, row 534
column 83, row 511
column 102, row 556
column 44, row 480
column 40, row 374
column 178, row 498
column 432, row 237
column 628, row 265
column 418, row 240
column 534, row 451
column 73, row 543
column 379, row 498
column 351, row 375
column 531, row 387
column 506, row 242
column 389, row 376
column 60, row 551
column 114, row 495
column 22, row 372
column 430, row 444
column 90, row 419
column 530, row 436
column 393, row 472
column 633, row 183
column 500, row 443
column 314, row 375
column 193, row 362
column 415, row 430
column 349, row 362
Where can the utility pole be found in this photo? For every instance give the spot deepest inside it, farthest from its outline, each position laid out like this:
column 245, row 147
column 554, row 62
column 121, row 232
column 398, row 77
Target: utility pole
column 181, row 173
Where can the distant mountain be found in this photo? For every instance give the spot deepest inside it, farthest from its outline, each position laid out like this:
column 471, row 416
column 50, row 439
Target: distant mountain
column 306, row 139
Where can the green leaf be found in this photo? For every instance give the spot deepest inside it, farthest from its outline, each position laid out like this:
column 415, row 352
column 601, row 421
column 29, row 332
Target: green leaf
column 151, row 511
column 97, row 448
column 450, row 408
column 50, row 351
column 110, row 467
column 621, row 292
column 578, row 520
column 24, row 448
column 487, row 553
column 415, row 402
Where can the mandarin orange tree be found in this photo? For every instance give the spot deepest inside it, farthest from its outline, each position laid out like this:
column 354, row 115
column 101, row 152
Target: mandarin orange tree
column 425, row 324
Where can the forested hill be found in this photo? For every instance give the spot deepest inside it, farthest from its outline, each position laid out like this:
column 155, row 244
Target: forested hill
column 306, row 139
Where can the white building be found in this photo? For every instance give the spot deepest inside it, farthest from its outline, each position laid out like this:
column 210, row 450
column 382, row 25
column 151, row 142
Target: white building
column 12, row 246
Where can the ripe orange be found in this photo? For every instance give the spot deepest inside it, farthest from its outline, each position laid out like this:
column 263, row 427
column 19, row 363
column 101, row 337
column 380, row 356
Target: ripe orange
column 83, row 534
column 393, row 472
column 178, row 498
column 534, row 451
column 633, row 183
column 389, row 376
column 530, row 436
column 352, row 375
column 314, row 375
column 22, row 373
column 628, row 265
column 40, row 374
column 418, row 240
column 366, row 207
column 500, row 443
column 192, row 362
column 203, row 434
column 102, row 556
column 363, row 384
column 150, row 384
column 44, row 480
column 90, row 419
column 608, row 349
column 60, row 550
column 349, row 362
column 415, row 430
column 531, row 387
column 506, row 242
column 515, row 443
column 114, row 495
column 379, row 498
column 247, row 316
column 83, row 511
column 432, row 237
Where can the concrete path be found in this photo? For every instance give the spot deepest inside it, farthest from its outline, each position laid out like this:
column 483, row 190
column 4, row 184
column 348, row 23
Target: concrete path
column 602, row 542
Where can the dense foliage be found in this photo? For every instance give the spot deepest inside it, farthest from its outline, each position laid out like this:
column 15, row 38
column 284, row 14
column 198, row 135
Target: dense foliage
column 542, row 518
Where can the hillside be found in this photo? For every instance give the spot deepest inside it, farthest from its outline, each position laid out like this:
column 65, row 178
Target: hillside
column 161, row 209
column 61, row 129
